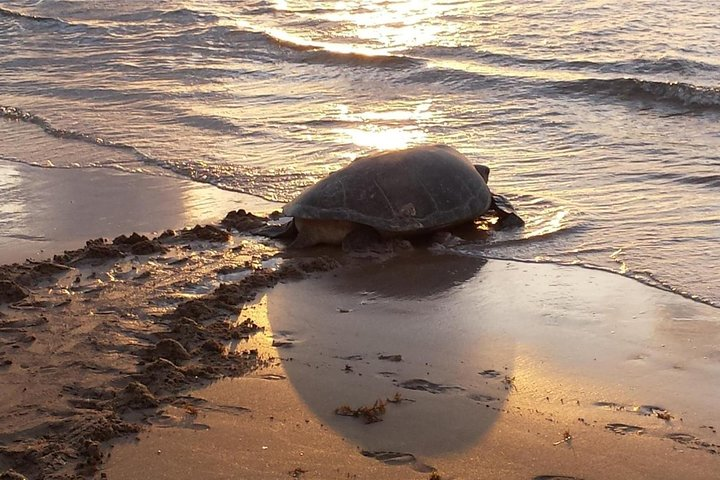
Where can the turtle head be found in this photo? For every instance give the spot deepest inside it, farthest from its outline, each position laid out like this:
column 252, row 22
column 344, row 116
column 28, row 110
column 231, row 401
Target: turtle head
column 483, row 171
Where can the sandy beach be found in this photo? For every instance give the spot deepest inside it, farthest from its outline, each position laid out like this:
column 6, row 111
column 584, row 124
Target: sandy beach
column 149, row 330
column 497, row 370
column 211, row 352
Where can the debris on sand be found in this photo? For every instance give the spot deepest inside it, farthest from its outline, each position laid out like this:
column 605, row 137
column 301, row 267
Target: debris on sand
column 423, row 385
column 369, row 414
column 567, row 438
column 399, row 458
column 664, row 415
column 397, row 398
column 297, row 473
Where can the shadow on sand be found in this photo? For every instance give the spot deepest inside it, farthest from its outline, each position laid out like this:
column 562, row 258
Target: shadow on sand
column 392, row 332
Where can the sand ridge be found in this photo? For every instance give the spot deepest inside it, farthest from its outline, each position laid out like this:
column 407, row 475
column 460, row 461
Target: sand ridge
column 98, row 340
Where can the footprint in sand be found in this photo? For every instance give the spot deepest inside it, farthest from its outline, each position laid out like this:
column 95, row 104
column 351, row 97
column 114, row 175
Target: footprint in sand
column 397, row 458
column 481, row 398
column 284, row 339
column 188, row 423
column 691, row 441
column 645, row 410
column 272, row 376
column 390, row 358
column 430, row 387
column 555, row 477
column 352, row 357
column 624, row 429
column 684, row 438
column 609, row 405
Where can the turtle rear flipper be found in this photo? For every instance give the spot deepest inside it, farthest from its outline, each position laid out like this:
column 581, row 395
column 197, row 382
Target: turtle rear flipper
column 507, row 217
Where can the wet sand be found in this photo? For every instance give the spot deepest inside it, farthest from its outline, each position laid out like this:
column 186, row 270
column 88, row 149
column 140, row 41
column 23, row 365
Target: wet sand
column 497, row 370
column 213, row 353
column 45, row 211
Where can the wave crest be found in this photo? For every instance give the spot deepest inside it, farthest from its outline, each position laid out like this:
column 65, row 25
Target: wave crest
column 685, row 94
column 631, row 66
column 5, row 12
column 272, row 185
column 701, row 180
column 18, row 114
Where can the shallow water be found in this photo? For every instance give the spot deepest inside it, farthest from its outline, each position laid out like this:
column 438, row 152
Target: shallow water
column 599, row 120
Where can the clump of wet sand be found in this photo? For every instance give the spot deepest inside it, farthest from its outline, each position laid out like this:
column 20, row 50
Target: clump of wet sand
column 99, row 340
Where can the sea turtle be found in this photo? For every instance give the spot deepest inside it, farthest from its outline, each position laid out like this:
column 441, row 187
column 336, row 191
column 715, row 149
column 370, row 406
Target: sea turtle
column 396, row 193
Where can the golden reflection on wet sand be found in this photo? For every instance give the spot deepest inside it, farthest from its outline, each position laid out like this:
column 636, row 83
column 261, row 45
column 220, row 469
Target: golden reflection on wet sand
column 57, row 209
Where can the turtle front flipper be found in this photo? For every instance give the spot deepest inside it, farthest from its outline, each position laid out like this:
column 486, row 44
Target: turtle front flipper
column 277, row 230
column 507, row 217
column 314, row 232
column 364, row 239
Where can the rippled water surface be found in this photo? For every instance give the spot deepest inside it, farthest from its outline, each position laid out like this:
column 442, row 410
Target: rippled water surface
column 600, row 120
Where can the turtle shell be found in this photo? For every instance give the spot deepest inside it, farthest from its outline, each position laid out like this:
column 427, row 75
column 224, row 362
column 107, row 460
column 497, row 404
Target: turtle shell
column 404, row 191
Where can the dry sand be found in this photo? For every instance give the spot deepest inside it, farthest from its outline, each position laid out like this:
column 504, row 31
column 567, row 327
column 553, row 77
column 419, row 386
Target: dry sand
column 208, row 355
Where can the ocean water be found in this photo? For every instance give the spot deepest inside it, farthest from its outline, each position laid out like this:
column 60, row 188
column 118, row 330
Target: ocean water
column 600, row 120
